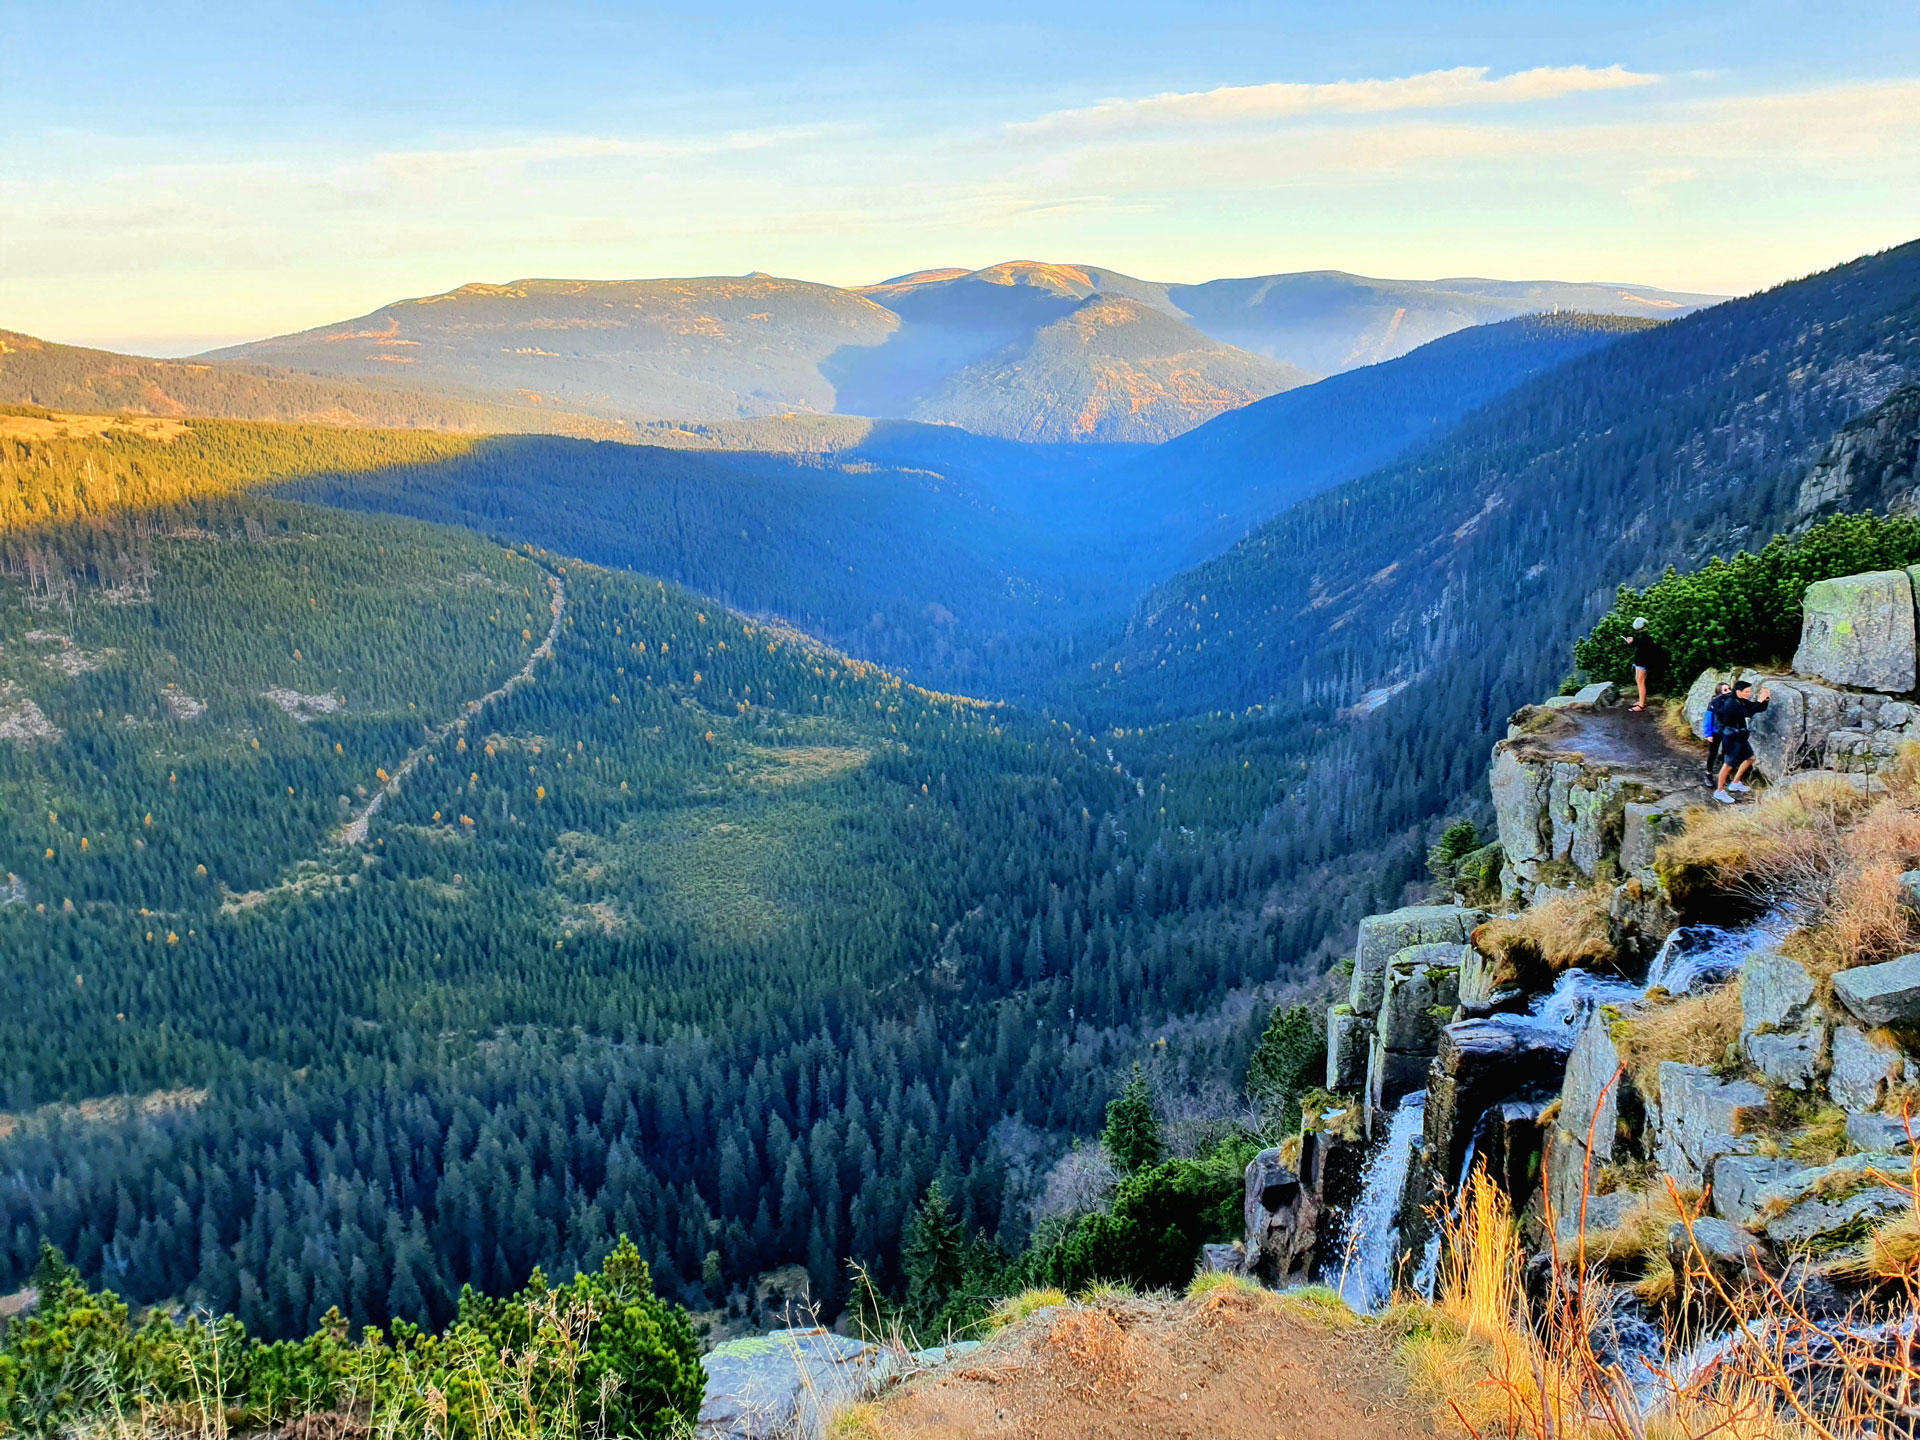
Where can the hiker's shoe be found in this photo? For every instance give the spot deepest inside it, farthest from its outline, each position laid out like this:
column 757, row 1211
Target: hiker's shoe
column 1737, row 788
column 1724, row 798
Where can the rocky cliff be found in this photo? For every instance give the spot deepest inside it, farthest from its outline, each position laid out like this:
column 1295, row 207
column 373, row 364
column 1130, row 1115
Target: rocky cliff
column 1671, row 1009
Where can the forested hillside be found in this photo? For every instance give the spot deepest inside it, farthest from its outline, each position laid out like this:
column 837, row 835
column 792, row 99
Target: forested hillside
column 703, row 933
column 972, row 563
column 975, row 565
column 1194, row 496
column 71, row 378
column 1662, row 448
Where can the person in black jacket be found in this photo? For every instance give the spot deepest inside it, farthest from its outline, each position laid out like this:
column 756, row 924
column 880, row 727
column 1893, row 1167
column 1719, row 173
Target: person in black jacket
column 1730, row 716
column 1647, row 658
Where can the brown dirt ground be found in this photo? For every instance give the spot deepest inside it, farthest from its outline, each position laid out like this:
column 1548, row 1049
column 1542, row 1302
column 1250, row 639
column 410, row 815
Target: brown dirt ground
column 1230, row 1365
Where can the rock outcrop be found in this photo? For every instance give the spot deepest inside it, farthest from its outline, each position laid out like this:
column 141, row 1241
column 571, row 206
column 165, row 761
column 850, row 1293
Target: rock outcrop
column 1884, row 994
column 1872, row 464
column 1459, row 1059
column 1859, row 630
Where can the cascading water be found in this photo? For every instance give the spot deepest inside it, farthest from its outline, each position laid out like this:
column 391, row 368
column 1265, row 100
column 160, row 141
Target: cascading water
column 1373, row 1233
column 1692, row 955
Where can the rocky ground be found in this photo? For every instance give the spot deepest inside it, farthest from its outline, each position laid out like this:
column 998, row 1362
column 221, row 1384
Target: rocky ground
column 1229, row 1365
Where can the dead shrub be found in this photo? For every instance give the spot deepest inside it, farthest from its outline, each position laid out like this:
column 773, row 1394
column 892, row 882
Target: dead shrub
column 1694, row 1030
column 1567, row 930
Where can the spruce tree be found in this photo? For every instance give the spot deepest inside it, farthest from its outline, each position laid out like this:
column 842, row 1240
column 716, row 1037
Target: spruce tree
column 932, row 1255
column 1291, row 1052
column 1132, row 1136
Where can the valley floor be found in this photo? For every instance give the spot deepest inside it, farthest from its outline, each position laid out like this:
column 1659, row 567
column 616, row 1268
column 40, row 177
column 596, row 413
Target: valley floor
column 1229, row 1364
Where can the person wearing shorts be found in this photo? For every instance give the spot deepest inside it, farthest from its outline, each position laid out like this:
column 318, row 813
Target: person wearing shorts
column 1730, row 716
column 1646, row 658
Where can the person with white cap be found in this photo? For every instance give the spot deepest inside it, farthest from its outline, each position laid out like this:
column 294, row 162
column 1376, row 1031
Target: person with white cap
column 1646, row 657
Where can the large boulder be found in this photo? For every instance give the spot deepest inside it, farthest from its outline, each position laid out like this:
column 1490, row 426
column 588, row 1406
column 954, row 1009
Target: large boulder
column 1558, row 817
column 1883, row 994
column 1520, row 791
column 785, row 1383
column 1423, row 986
column 1790, row 1057
column 1732, row 1252
column 1781, row 1028
column 1887, row 1133
column 1864, row 1065
column 1744, row 1186
column 1647, row 824
column 1859, row 630
column 1384, row 936
column 1478, row 1064
column 1282, row 1217
column 1700, row 694
column 1597, row 1096
column 1699, row 1119
column 1812, row 1208
column 1421, row 980
column 1790, row 735
column 1641, row 917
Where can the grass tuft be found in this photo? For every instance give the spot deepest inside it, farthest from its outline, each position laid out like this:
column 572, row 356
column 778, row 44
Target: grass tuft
column 1698, row 1029
column 1015, row 1308
column 1568, row 929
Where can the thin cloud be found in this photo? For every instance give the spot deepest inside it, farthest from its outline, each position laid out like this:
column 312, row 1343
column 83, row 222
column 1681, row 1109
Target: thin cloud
column 1433, row 90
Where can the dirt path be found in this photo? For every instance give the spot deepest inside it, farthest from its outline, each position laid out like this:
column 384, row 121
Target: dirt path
column 1227, row 1366
column 355, row 831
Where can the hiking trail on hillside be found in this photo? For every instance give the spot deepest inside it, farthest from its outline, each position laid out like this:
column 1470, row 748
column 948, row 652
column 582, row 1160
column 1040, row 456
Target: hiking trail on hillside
column 355, row 831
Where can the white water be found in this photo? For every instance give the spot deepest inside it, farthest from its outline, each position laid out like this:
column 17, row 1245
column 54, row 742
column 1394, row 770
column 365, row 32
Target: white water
column 1692, row 955
column 1373, row 1234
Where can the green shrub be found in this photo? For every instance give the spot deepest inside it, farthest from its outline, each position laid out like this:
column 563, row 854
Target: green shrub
column 1152, row 1237
column 1745, row 609
column 599, row 1354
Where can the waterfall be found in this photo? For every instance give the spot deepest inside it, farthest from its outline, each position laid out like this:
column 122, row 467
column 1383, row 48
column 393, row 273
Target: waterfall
column 1373, row 1231
column 1694, row 953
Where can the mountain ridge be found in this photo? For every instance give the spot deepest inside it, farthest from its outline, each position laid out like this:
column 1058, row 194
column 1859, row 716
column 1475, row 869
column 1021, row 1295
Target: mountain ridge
column 975, row 348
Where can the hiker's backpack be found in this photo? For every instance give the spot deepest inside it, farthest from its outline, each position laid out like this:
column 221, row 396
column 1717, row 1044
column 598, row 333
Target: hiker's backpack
column 1711, row 722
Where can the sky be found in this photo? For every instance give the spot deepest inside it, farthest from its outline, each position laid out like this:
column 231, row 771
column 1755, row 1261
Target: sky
column 175, row 177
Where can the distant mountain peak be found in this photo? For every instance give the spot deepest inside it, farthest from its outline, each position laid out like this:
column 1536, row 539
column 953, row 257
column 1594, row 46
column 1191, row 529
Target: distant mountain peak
column 1122, row 358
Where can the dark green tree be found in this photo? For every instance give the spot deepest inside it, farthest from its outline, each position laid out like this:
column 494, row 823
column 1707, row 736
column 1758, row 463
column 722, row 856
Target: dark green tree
column 933, row 1255
column 1287, row 1063
column 1132, row 1136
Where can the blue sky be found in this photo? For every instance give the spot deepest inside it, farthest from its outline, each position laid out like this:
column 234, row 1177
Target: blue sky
column 177, row 176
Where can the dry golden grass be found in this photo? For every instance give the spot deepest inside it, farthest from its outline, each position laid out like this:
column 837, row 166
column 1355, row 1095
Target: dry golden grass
column 1568, row 929
column 1757, row 847
column 1099, row 1347
column 1639, row 1243
column 1694, row 1030
column 1479, row 1285
column 1483, row 1353
column 1824, row 848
